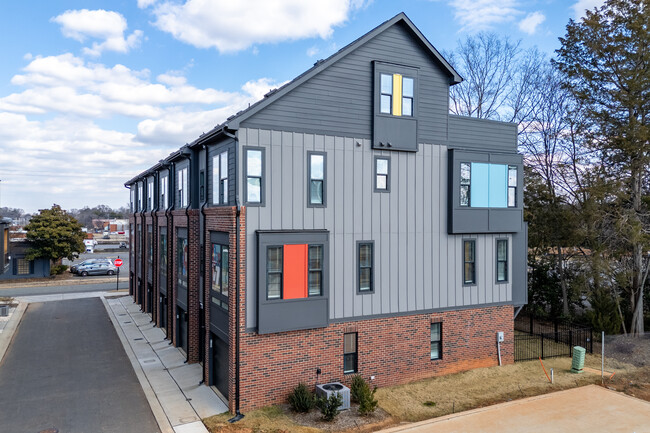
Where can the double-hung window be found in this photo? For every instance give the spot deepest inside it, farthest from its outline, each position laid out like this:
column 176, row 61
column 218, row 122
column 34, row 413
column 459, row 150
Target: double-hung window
column 254, row 176
column 512, row 186
column 382, row 174
column 132, row 198
column 315, row 269
column 220, row 178
column 502, row 260
column 183, row 191
column 163, row 192
column 365, row 262
column 436, row 340
column 140, row 189
column 396, row 94
column 465, row 182
column 317, row 179
column 219, row 285
column 350, row 354
column 469, row 262
column 274, row 266
column 150, row 195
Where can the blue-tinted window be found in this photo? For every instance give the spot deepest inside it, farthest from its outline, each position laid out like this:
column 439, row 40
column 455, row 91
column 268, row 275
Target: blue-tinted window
column 486, row 185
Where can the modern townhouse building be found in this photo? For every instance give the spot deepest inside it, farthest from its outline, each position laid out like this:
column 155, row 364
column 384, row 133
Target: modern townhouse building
column 344, row 224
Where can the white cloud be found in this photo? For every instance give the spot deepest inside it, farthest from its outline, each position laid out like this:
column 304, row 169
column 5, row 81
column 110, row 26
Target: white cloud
column 143, row 4
column 531, row 22
column 232, row 26
column 581, row 6
column 476, row 15
column 312, row 51
column 107, row 26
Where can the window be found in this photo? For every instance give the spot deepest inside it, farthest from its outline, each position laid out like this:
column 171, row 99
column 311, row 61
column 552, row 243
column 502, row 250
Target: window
column 317, row 188
column 512, row 186
column 163, row 192
column 201, row 185
column 183, row 191
column 365, row 263
column 396, row 95
column 220, row 178
column 315, row 269
column 488, row 185
column 502, row 260
column 150, row 249
column 255, row 176
column 382, row 173
column 140, row 188
column 163, row 259
column 465, row 182
column 219, row 286
column 24, row 267
column 132, row 198
column 150, row 195
column 182, row 256
column 274, row 272
column 350, row 352
column 469, row 262
column 436, row 340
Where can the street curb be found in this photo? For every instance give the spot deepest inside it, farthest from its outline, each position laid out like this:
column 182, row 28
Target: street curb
column 156, row 408
column 46, row 283
column 10, row 329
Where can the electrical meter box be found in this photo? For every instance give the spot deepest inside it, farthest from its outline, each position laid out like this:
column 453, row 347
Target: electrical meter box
column 500, row 337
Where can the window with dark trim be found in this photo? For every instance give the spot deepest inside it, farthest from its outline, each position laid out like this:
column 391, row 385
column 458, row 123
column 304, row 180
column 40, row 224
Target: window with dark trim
column 162, row 259
column 512, row 186
column 465, row 183
column 163, row 192
column 396, row 94
column 350, row 357
column 469, row 262
column 182, row 261
column 365, row 261
column 201, row 185
column 140, row 189
column 254, row 158
column 220, row 178
column 183, row 192
column 150, row 195
column 24, row 266
column 436, row 340
column 274, row 265
column 502, row 260
column 317, row 171
column 219, row 275
column 382, row 174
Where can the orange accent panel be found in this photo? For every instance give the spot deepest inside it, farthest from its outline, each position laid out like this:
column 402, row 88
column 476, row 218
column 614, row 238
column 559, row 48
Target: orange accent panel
column 295, row 272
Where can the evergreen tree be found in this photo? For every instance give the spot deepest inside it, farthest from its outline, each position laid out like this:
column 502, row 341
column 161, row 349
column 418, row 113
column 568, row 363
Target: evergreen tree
column 54, row 234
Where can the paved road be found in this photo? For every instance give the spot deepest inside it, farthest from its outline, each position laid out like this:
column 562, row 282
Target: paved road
column 72, row 288
column 66, row 369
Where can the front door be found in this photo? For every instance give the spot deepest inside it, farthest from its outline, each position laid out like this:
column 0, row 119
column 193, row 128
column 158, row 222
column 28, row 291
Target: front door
column 181, row 337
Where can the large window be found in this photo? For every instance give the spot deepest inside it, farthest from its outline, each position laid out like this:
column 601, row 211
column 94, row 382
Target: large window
column 132, row 198
column 502, row 260
column 219, row 286
column 436, row 340
column 396, row 95
column 220, row 178
column 382, row 174
column 488, row 185
column 140, row 189
column 350, row 354
column 162, row 259
column 469, row 262
column 294, row 271
column 317, row 178
column 365, row 262
column 254, row 176
column 182, row 261
column 24, row 267
column 149, row 250
column 150, row 195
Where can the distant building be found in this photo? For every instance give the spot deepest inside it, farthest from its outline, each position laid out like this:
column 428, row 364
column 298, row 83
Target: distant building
column 14, row 249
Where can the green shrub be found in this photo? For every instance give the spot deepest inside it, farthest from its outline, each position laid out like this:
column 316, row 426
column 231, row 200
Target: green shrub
column 361, row 393
column 329, row 407
column 301, row 398
column 58, row 269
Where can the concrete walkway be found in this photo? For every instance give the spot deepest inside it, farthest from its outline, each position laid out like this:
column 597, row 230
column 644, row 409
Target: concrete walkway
column 586, row 409
column 171, row 387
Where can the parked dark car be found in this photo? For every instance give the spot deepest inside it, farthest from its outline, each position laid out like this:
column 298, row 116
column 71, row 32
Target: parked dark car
column 100, row 268
column 123, row 245
column 74, row 268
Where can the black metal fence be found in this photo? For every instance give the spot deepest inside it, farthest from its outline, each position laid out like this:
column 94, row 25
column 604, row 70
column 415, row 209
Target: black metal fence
column 536, row 339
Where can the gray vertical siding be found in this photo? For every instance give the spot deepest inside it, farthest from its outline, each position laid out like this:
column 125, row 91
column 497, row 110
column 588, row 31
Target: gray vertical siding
column 418, row 266
column 340, row 98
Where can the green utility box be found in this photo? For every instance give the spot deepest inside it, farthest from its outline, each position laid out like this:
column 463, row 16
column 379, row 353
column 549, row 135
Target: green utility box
column 578, row 359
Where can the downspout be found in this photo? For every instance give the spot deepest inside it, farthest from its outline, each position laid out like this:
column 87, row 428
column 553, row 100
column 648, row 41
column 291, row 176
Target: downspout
column 187, row 219
column 202, row 254
column 130, row 240
column 238, row 415
column 170, row 241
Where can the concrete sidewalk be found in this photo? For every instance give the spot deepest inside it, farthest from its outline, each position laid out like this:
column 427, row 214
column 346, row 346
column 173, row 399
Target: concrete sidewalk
column 172, row 387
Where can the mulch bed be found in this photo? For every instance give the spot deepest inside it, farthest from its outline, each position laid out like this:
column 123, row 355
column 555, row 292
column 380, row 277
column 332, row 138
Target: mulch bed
column 347, row 420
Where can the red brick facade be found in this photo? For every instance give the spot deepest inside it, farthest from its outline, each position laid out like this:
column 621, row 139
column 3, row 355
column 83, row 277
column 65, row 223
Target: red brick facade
column 393, row 349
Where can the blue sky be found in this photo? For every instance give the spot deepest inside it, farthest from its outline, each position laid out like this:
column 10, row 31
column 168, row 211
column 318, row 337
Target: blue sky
column 94, row 92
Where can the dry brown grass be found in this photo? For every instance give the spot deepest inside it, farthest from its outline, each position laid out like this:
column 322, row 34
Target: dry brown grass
column 270, row 419
column 485, row 386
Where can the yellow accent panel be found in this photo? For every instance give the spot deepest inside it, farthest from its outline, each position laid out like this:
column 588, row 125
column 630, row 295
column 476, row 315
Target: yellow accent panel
column 397, row 95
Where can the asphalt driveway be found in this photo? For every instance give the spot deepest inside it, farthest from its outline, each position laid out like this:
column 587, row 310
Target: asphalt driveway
column 66, row 369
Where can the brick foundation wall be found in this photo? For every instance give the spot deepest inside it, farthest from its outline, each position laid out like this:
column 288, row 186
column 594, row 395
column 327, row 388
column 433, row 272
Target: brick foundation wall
column 395, row 350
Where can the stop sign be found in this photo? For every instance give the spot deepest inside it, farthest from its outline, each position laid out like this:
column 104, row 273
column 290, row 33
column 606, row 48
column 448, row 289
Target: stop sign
column 118, row 262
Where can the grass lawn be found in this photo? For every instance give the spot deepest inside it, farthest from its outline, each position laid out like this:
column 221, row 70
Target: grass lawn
column 434, row 397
